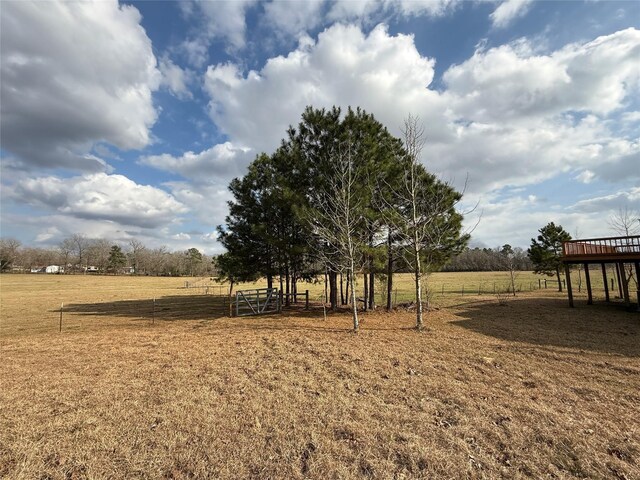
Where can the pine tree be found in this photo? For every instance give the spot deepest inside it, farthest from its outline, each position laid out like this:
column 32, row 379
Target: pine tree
column 546, row 251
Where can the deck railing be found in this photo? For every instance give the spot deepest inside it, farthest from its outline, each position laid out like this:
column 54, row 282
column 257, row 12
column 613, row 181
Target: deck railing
column 602, row 246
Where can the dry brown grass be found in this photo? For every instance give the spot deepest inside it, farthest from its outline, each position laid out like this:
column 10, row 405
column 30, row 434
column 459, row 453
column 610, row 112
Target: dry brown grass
column 533, row 389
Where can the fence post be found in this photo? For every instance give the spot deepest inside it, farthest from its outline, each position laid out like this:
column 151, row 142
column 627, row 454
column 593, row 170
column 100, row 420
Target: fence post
column 61, row 307
column 545, row 283
column 153, row 318
column 463, row 289
column 396, row 300
column 306, row 299
column 443, row 289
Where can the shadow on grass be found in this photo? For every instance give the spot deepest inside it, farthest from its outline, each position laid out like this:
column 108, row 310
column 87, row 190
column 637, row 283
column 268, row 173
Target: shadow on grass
column 213, row 310
column 550, row 322
column 168, row 308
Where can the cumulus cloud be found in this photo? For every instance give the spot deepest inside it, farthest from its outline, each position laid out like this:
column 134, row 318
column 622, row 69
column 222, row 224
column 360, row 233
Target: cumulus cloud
column 508, row 11
column 222, row 161
column 112, row 198
column 382, row 73
column 507, row 117
column 509, row 82
column 207, row 201
column 70, row 85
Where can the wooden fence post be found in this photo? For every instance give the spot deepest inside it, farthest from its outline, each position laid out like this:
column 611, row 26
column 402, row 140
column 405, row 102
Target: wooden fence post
column 306, row 299
column 61, row 307
column 153, row 318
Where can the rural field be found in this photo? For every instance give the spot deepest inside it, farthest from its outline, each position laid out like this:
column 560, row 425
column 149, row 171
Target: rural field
column 150, row 379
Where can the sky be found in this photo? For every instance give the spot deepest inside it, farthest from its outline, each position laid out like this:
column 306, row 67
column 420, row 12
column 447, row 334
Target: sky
column 128, row 120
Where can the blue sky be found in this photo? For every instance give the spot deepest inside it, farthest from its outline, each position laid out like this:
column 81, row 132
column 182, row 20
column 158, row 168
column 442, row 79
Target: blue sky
column 128, row 120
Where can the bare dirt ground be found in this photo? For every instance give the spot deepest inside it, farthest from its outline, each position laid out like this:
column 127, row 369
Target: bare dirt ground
column 528, row 390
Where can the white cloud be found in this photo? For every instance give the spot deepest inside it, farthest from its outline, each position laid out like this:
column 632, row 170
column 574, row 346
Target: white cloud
column 176, row 79
column 623, row 198
column 71, row 72
column 509, row 82
column 384, row 74
column 111, row 198
column 368, row 11
column 586, row 176
column 507, row 117
column 181, row 236
column 207, row 200
column 508, row 11
column 218, row 20
column 222, row 161
column 293, row 19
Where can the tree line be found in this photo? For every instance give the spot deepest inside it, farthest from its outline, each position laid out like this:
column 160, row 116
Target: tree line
column 490, row 260
column 80, row 254
column 341, row 197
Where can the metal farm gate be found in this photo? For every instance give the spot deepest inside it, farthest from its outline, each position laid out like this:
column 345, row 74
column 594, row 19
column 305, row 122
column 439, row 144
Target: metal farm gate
column 257, row 302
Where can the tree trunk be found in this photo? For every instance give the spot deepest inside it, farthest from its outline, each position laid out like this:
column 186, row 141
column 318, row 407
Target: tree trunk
column 326, row 295
column 347, row 286
column 418, row 285
column 372, row 292
column 558, row 277
column 366, row 292
column 269, row 280
column 294, row 287
column 333, row 290
column 287, row 300
column 354, row 303
column 341, row 290
column 389, row 273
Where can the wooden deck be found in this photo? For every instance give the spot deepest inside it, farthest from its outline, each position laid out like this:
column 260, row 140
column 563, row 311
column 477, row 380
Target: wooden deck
column 620, row 251
column 598, row 250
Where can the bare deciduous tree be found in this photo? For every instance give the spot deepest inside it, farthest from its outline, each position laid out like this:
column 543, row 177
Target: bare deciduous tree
column 8, row 252
column 137, row 247
column 625, row 222
column 336, row 218
column 422, row 214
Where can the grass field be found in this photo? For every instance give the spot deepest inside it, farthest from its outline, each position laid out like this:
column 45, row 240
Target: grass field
column 532, row 389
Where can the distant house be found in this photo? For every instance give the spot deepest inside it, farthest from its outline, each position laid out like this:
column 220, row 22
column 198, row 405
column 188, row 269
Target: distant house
column 92, row 269
column 37, row 269
column 54, row 269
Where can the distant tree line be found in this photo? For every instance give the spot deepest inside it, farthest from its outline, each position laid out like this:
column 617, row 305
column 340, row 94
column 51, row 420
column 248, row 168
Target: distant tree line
column 80, row 254
column 489, row 260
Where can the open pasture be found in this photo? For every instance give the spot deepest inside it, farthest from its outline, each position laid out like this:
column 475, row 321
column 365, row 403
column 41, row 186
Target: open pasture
column 532, row 389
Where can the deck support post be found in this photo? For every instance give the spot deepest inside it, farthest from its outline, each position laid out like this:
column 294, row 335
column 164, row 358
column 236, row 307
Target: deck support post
column 604, row 279
column 567, row 272
column 619, row 280
column 625, row 285
column 587, row 277
column 638, row 283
